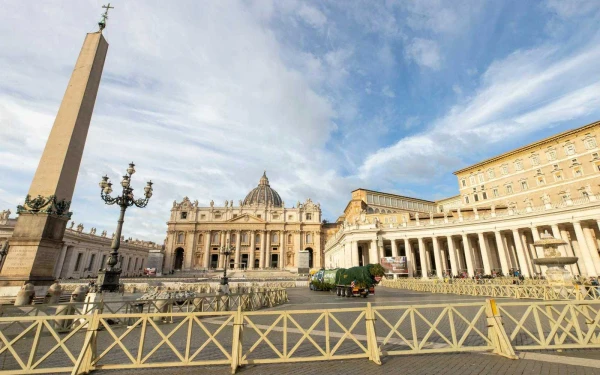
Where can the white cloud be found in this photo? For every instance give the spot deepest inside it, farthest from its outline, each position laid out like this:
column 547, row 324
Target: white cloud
column 387, row 91
column 424, row 52
column 525, row 92
column 312, row 16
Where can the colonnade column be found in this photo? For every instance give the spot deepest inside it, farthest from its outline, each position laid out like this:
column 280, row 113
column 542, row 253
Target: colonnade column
column 61, row 259
column 423, row 258
column 251, row 254
column 564, row 251
column 282, row 236
column 223, row 235
column 468, row 257
column 584, row 250
column 268, row 250
column 452, row 255
column 410, row 262
column 520, row 253
column 436, row 256
column 262, row 249
column 394, row 248
column 206, row 258
column 373, row 252
column 539, row 250
column 593, row 248
column 501, row 252
column 237, row 260
column 485, row 254
column 355, row 261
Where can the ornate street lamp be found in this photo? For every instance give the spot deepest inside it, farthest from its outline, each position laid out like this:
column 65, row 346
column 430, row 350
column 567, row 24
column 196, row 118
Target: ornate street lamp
column 226, row 250
column 108, row 278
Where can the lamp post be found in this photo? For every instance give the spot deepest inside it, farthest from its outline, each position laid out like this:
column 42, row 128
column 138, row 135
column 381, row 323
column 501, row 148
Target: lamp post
column 108, row 278
column 226, row 250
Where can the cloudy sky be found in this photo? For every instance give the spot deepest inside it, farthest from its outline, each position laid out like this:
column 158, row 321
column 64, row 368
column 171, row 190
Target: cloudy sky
column 327, row 96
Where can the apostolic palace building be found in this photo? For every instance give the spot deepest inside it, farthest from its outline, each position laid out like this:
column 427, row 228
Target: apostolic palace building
column 503, row 205
column 263, row 233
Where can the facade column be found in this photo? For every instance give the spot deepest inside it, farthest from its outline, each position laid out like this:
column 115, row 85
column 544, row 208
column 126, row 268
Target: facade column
column 485, row 254
column 501, row 253
column 317, row 261
column 373, row 252
column 355, row 261
column 238, row 235
column 584, row 250
column 593, row 248
column 206, row 259
column 268, row 249
column 282, row 236
column 520, row 253
column 437, row 258
column 263, row 239
column 468, row 257
column 252, row 248
column 528, row 253
column 564, row 249
column 539, row 251
column 394, row 248
column 423, row 258
column 410, row 260
column 452, row 256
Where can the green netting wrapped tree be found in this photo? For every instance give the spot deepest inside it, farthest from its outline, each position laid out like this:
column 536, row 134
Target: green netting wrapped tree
column 363, row 277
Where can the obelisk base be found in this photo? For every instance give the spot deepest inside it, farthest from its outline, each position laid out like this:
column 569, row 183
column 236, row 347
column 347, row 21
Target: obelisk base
column 33, row 252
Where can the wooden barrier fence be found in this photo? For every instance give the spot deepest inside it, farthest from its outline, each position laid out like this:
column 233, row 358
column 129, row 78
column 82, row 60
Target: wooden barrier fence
column 35, row 344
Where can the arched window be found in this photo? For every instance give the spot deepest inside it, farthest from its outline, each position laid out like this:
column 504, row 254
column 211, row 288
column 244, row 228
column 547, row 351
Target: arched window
column 309, row 238
column 244, row 237
column 215, row 238
column 290, row 239
column 275, row 238
column 201, row 238
column 233, row 238
column 180, row 238
column 257, row 238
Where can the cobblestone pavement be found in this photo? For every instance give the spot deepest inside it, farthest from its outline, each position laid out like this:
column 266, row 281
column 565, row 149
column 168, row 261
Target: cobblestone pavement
column 305, row 302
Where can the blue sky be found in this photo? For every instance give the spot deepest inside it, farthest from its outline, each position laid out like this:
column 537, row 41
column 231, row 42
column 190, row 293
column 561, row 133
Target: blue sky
column 327, row 96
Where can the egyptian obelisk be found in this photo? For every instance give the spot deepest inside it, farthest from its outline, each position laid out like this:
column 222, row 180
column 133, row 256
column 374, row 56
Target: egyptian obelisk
column 38, row 235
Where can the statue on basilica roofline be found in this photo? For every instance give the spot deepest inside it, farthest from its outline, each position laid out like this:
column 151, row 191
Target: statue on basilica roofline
column 212, row 203
column 231, row 203
column 226, row 203
column 72, row 224
column 241, row 203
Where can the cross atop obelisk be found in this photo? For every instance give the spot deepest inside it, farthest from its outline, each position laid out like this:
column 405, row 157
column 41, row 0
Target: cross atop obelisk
column 102, row 23
column 37, row 239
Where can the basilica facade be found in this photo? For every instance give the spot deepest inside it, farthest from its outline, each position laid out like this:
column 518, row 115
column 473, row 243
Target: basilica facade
column 504, row 205
column 260, row 230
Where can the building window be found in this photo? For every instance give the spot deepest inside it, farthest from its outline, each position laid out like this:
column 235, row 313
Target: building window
column 180, row 238
column 275, row 238
column 509, row 189
column 577, row 171
column 584, row 194
column 309, row 238
column 597, row 166
column 472, row 180
column 369, row 198
column 463, row 182
column 480, row 177
column 535, row 160
column 290, row 217
column 476, row 197
column 518, row 165
column 275, row 216
column 235, row 215
column 257, row 240
column 217, row 216
column 524, row 185
column 484, row 195
column 570, row 149
column 504, row 169
column 215, row 238
column 590, row 143
column 78, row 261
column 244, row 237
column 290, row 239
column 491, row 173
column 558, row 176
column 233, row 237
column 202, row 217
column 259, row 216
column 551, row 154
column 308, row 216
column 466, row 199
column 103, row 260
column 495, row 192
column 184, row 215
column 541, row 180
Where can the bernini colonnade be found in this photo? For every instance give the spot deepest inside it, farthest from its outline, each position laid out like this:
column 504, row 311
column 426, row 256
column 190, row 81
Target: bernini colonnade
column 484, row 243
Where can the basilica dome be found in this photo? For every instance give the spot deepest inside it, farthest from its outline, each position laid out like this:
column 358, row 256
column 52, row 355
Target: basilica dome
column 263, row 194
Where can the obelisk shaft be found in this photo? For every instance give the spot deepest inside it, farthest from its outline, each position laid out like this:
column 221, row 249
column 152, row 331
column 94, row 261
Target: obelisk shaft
column 38, row 234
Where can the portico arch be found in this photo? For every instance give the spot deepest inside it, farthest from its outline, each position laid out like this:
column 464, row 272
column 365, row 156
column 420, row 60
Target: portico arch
column 178, row 261
column 310, row 257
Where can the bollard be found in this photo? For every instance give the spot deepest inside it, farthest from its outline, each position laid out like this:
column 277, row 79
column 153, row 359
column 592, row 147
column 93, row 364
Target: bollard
column 53, row 294
column 25, row 295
